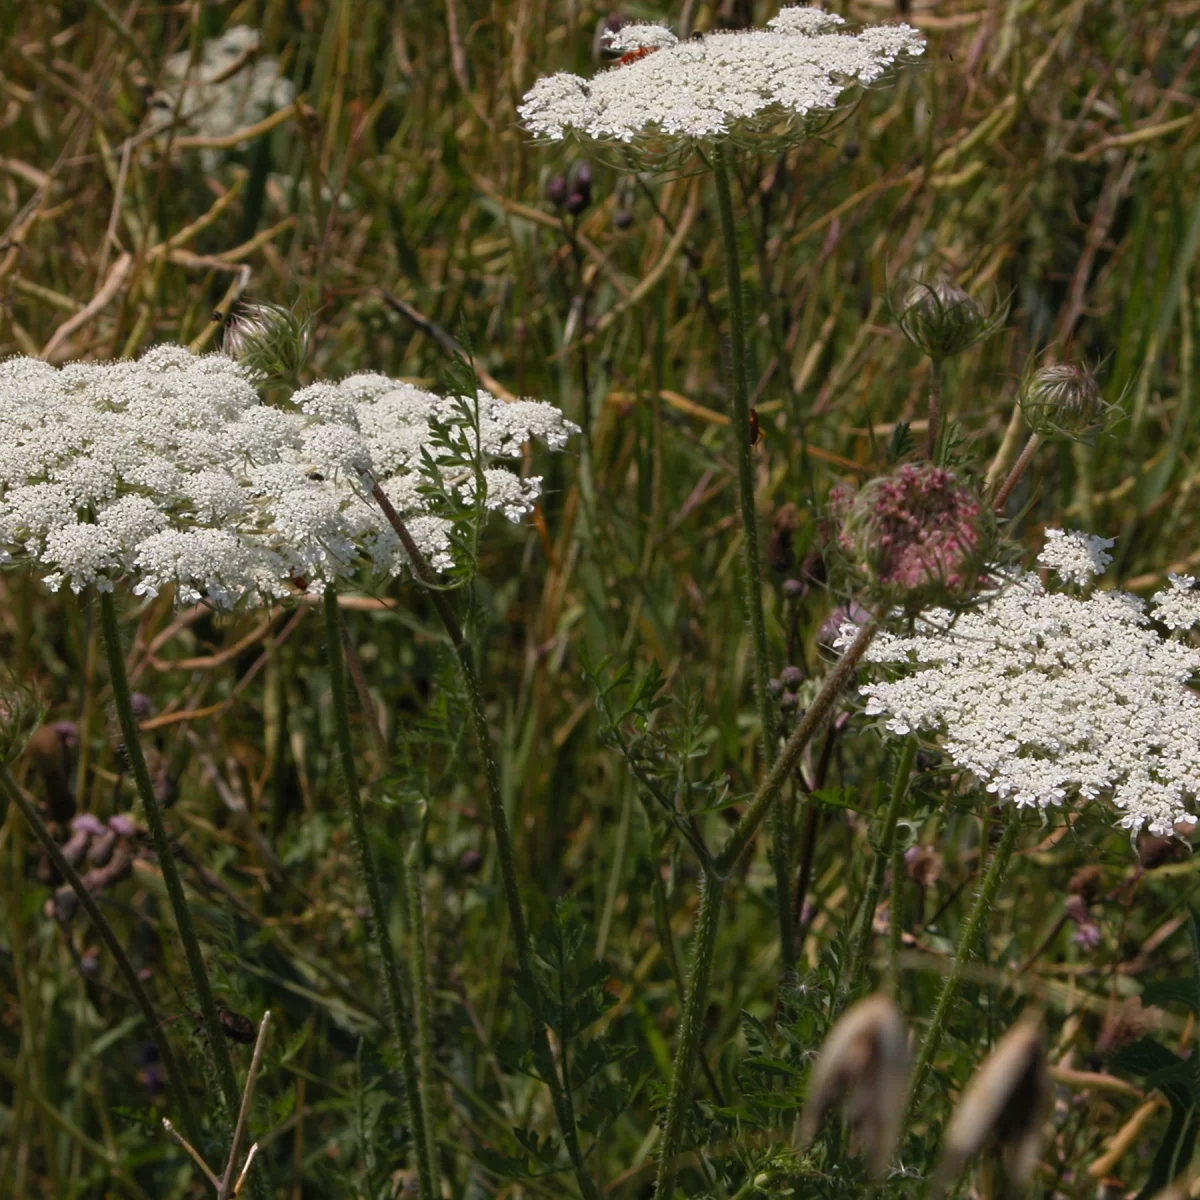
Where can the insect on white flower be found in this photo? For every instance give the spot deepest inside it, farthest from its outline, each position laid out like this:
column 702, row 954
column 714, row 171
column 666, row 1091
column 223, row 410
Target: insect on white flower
column 723, row 86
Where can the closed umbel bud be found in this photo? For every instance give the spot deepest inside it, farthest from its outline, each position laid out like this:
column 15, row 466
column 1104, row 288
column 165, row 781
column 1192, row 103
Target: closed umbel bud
column 1063, row 399
column 269, row 340
column 863, row 1065
column 1005, row 1104
column 942, row 320
column 917, row 537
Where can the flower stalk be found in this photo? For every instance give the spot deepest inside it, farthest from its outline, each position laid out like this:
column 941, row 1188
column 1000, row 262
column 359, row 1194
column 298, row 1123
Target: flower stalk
column 883, row 856
column 498, row 819
column 397, row 1003
column 707, row 919
column 1018, row 469
column 123, row 703
column 751, row 565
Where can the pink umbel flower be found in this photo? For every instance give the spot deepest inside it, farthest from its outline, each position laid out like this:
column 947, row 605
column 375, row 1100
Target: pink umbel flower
column 917, row 536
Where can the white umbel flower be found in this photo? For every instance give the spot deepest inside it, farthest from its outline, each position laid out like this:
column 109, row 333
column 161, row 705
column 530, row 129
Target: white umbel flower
column 1042, row 696
column 1076, row 557
column 1179, row 606
column 169, row 471
column 228, row 88
column 724, row 86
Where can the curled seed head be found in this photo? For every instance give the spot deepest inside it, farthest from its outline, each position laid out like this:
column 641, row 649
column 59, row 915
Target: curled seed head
column 942, row 320
column 1065, row 399
column 270, row 341
column 917, row 537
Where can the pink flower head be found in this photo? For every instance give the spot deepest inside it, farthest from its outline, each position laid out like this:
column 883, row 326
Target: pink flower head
column 916, row 537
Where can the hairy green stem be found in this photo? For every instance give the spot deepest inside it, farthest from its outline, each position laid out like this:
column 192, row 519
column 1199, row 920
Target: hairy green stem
column 751, row 567
column 710, row 902
column 422, row 1002
column 976, row 920
column 393, row 982
column 123, row 702
column 498, row 819
column 175, row 1078
column 887, row 840
column 691, row 1036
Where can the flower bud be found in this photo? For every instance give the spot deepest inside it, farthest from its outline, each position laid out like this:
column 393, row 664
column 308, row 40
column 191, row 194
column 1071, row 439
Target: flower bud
column 1063, row 398
column 20, row 715
column 556, row 191
column 917, row 537
column 270, row 341
column 1006, row 1104
column 942, row 320
column 576, row 203
column 863, row 1064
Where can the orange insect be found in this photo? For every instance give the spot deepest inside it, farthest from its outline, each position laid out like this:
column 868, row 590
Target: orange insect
column 755, row 429
column 634, row 55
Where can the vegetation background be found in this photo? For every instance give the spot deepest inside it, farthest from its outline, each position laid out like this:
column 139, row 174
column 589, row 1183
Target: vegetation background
column 1046, row 150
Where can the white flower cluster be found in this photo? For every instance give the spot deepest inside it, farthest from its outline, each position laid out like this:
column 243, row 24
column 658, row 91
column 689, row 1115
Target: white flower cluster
column 1076, row 557
column 1179, row 606
column 1041, row 695
column 169, row 470
column 227, row 89
column 720, row 86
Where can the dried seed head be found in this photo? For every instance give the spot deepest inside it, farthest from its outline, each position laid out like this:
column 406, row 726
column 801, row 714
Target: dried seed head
column 1063, row 399
column 864, row 1065
column 271, row 341
column 1005, row 1104
column 942, row 320
column 917, row 537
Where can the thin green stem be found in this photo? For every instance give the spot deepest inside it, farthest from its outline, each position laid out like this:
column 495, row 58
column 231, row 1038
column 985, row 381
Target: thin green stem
column 123, row 702
column 710, row 902
column 751, row 567
column 393, row 982
column 879, row 864
column 977, row 919
column 175, row 1078
column 421, row 996
column 498, row 819
column 691, row 1036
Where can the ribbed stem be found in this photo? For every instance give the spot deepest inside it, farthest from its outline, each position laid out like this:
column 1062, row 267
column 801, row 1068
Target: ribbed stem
column 498, row 819
column 175, row 1078
column 980, row 911
column 879, row 865
column 123, row 702
column 1018, row 469
column 935, row 409
column 751, row 567
column 710, row 903
column 393, row 983
column 691, row 1036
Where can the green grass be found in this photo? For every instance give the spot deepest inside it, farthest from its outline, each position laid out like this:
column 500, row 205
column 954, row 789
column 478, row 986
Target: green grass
column 1045, row 152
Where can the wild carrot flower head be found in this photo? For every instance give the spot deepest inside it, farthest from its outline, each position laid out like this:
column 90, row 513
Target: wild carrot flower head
column 942, row 320
column 663, row 95
column 917, row 536
column 1043, row 695
column 1063, row 398
column 229, row 87
column 169, row 470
